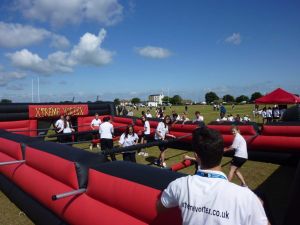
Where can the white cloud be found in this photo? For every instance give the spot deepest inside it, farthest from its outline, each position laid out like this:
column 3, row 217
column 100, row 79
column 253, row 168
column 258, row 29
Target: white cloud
column 153, row 52
column 9, row 76
column 16, row 35
column 59, row 12
column 87, row 52
column 59, row 42
column 13, row 35
column 235, row 39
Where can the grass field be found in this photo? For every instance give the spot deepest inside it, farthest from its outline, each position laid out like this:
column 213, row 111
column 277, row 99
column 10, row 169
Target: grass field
column 265, row 176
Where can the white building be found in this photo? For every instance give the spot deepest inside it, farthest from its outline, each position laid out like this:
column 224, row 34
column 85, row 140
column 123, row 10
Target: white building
column 152, row 104
column 156, row 98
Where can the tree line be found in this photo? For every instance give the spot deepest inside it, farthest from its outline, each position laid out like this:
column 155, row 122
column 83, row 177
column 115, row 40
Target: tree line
column 213, row 97
column 209, row 98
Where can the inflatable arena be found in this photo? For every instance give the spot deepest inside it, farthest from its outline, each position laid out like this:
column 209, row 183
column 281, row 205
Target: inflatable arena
column 55, row 183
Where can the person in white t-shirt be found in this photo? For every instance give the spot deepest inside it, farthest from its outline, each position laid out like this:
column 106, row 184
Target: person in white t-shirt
column 162, row 131
column 106, row 131
column 145, row 136
column 239, row 146
column 67, row 130
column 148, row 114
column 129, row 138
column 198, row 117
column 95, row 124
column 59, row 125
column 208, row 197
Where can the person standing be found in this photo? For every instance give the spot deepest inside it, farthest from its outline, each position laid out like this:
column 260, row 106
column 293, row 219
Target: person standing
column 208, row 197
column 239, row 146
column 95, row 124
column 146, row 135
column 129, row 138
column 222, row 111
column 59, row 126
column 106, row 131
column 67, row 130
column 162, row 131
column 269, row 115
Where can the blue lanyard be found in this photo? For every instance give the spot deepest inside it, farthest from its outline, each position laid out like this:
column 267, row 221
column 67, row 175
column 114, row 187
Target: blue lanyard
column 210, row 175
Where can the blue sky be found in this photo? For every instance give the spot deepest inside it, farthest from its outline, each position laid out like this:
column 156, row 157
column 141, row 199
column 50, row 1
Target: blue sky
column 129, row 48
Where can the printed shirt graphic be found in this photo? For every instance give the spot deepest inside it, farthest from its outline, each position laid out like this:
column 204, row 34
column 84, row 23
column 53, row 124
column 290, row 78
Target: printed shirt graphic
column 204, row 200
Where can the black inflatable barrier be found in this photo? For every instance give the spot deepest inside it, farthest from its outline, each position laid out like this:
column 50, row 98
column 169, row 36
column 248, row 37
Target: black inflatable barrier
column 292, row 213
column 139, row 146
column 13, row 108
column 14, row 116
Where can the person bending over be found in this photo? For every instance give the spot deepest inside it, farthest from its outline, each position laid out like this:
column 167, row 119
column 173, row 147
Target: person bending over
column 208, row 197
column 129, row 138
column 239, row 146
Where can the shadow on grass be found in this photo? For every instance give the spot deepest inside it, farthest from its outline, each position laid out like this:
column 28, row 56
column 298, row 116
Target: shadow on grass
column 150, row 160
column 275, row 193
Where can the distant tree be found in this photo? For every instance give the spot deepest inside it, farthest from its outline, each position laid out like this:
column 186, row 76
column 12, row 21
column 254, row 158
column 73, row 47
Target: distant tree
column 4, row 100
column 242, row 98
column 176, row 100
column 135, row 100
column 211, row 97
column 166, row 99
column 255, row 96
column 117, row 101
column 228, row 98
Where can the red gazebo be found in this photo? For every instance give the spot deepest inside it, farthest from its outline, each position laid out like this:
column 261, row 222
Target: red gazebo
column 278, row 96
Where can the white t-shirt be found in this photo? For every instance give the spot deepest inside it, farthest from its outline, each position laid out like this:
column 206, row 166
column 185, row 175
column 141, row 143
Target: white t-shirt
column 95, row 122
column 198, row 119
column 148, row 115
column 129, row 141
column 59, row 123
column 264, row 114
column 106, row 130
column 67, row 129
column 269, row 113
column 147, row 128
column 204, row 200
column 240, row 146
column 162, row 129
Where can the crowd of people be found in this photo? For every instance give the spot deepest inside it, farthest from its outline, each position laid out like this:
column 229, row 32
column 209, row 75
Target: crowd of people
column 208, row 197
column 270, row 114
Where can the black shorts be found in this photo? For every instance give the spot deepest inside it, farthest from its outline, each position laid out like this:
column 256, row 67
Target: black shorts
column 162, row 147
column 238, row 161
column 146, row 137
column 106, row 143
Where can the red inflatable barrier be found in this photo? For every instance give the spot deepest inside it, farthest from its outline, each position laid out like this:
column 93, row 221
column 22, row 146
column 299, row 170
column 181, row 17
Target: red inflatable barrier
column 112, row 200
column 25, row 127
column 9, row 151
column 181, row 165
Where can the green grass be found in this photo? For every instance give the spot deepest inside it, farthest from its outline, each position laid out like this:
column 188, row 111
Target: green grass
column 256, row 173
